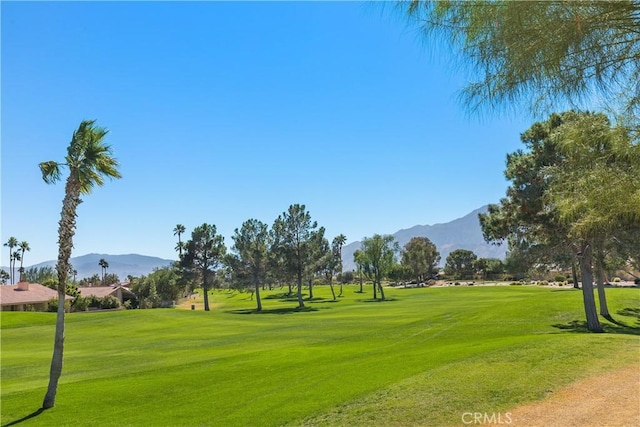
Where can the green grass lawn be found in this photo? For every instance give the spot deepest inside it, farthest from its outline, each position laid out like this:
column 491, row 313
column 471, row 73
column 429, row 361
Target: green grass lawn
column 424, row 357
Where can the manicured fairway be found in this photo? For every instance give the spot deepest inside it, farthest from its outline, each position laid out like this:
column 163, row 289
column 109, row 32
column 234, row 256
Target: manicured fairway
column 425, row 357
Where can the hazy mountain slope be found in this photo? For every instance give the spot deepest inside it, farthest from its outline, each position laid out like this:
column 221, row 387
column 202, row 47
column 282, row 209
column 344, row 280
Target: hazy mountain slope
column 122, row 265
column 461, row 233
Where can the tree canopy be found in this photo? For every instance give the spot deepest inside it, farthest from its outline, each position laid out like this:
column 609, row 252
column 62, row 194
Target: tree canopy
column 540, row 54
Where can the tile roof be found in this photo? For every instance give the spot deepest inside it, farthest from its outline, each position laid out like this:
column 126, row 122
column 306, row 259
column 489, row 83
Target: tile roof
column 36, row 294
column 102, row 291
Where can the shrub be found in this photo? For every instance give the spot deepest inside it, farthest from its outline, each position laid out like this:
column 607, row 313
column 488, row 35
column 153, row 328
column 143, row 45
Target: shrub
column 570, row 281
column 456, row 284
column 616, row 279
column 109, row 302
column 637, row 281
column 558, row 278
column 515, row 284
column 80, row 304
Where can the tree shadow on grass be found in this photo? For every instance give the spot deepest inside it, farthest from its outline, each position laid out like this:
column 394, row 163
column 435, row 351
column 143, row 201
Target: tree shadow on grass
column 631, row 312
column 377, row 300
column 580, row 326
column 25, row 418
column 322, row 301
column 285, row 296
column 282, row 310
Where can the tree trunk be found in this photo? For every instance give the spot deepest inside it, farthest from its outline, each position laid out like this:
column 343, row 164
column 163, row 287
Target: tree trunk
column 300, row 302
column 56, row 360
column 258, row 302
column 205, row 290
column 602, row 297
column 593, row 324
column 333, row 293
column 375, row 291
column 381, row 290
column 574, row 274
column 361, row 283
column 66, row 230
column 310, row 289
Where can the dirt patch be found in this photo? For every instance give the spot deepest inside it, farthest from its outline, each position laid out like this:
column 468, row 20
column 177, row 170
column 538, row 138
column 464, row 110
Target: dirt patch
column 609, row 400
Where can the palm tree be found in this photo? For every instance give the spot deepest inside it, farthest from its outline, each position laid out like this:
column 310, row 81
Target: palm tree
column 11, row 243
column 24, row 246
column 89, row 161
column 104, row 265
column 178, row 231
column 338, row 243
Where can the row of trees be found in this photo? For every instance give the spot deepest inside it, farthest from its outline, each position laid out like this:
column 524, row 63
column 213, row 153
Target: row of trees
column 294, row 250
column 14, row 256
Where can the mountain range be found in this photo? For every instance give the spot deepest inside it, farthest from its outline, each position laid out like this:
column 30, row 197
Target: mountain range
column 122, row 265
column 461, row 233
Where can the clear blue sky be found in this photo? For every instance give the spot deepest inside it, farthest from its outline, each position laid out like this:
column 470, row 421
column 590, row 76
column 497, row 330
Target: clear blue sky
column 221, row 112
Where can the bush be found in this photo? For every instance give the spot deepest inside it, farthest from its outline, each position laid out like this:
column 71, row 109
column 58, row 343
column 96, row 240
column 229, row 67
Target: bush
column 109, row 302
column 515, row 284
column 616, row 279
column 80, row 304
column 637, row 281
column 456, row 284
column 543, row 283
column 570, row 281
column 558, row 278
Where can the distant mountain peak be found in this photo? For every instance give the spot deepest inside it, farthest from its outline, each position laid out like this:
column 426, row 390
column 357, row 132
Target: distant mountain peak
column 460, row 233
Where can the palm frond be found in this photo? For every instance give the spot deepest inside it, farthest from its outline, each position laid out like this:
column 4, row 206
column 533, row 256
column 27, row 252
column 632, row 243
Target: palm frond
column 51, row 172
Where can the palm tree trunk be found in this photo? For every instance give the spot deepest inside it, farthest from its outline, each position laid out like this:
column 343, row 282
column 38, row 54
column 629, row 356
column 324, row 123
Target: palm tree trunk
column 66, row 231
column 593, row 324
column 56, row 360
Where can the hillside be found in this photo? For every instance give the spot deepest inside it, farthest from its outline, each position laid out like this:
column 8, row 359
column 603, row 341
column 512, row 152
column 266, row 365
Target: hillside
column 122, row 265
column 461, row 233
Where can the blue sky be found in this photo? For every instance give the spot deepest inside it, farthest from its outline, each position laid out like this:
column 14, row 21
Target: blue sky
column 221, row 112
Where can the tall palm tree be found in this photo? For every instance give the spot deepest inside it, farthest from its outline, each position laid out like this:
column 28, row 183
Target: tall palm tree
column 89, row 161
column 338, row 243
column 178, row 231
column 103, row 265
column 24, row 246
column 11, row 243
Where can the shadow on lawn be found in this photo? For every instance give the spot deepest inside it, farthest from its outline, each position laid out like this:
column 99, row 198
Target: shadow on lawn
column 285, row 296
column 616, row 328
column 377, row 300
column 25, row 418
column 282, row 310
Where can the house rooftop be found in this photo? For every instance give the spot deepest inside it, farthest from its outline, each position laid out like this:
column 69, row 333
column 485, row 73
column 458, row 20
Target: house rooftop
column 27, row 293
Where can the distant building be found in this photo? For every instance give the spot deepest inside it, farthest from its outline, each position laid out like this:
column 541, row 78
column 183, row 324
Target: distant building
column 119, row 291
column 25, row 296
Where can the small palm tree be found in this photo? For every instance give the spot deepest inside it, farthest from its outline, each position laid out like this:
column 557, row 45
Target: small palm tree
column 24, row 246
column 178, row 231
column 11, row 243
column 89, row 161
